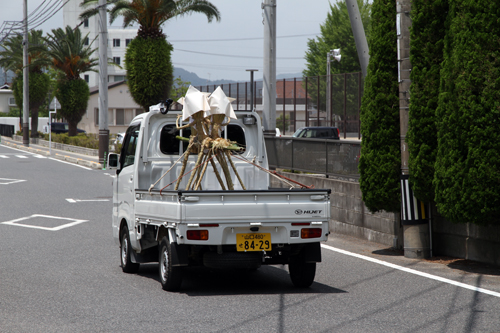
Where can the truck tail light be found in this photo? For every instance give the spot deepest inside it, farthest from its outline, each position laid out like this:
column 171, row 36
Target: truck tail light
column 197, row 234
column 311, row 233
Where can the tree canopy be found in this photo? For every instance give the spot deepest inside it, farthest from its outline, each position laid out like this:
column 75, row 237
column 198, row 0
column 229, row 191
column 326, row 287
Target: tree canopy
column 467, row 177
column 336, row 33
column 380, row 160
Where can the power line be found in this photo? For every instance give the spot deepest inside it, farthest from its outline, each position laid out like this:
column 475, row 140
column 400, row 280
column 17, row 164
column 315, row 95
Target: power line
column 235, row 39
column 237, row 56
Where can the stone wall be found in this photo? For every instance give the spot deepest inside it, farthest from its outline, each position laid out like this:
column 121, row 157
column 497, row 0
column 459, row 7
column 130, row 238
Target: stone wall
column 349, row 215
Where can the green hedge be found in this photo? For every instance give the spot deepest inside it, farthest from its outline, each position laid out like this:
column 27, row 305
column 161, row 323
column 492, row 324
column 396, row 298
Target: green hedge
column 426, row 55
column 380, row 160
column 467, row 177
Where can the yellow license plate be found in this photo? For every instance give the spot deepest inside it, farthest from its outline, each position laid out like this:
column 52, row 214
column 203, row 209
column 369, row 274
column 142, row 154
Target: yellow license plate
column 253, row 242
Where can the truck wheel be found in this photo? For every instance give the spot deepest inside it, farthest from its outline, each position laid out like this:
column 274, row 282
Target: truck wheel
column 170, row 276
column 127, row 265
column 302, row 273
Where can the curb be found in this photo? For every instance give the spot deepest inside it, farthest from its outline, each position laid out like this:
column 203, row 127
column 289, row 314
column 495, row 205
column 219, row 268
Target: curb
column 69, row 159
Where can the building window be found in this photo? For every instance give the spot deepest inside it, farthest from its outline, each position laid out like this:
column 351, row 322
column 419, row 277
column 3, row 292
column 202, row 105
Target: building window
column 120, row 117
column 116, row 60
column 96, row 116
column 116, row 42
column 86, row 41
column 127, row 41
column 118, row 78
column 86, row 78
column 12, row 101
column 86, row 23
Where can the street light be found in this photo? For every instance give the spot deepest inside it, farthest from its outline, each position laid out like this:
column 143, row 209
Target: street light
column 335, row 53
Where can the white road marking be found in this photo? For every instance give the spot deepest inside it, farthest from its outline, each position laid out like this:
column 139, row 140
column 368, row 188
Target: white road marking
column 7, row 181
column 21, row 156
column 39, row 156
column 81, row 166
column 63, row 226
column 412, row 271
column 89, row 200
column 3, row 156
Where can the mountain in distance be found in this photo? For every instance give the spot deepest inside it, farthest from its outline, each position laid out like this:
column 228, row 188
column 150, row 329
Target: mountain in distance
column 197, row 81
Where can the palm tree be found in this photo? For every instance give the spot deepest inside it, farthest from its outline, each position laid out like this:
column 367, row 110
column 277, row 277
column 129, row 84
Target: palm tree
column 147, row 59
column 11, row 58
column 69, row 54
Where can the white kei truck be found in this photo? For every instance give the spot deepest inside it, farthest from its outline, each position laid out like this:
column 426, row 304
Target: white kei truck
column 242, row 228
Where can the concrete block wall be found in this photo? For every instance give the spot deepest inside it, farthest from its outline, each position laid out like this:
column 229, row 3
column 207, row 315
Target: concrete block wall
column 465, row 240
column 349, row 215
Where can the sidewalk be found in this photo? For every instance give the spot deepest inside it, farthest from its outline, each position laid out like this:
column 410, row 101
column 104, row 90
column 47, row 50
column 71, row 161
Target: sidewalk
column 80, row 159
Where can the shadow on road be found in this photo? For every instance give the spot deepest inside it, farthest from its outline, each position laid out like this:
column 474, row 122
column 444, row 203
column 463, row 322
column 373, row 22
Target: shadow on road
column 463, row 265
column 267, row 280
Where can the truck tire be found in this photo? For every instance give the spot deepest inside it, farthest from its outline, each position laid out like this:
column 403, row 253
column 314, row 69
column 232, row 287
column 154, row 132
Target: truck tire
column 127, row 265
column 170, row 276
column 302, row 273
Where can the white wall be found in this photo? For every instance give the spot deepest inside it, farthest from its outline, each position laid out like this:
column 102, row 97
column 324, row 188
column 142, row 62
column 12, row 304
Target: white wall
column 15, row 121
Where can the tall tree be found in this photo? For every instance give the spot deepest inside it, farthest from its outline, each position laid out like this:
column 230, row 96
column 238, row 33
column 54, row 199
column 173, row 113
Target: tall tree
column 467, row 169
column 70, row 55
column 11, row 58
column 336, row 32
column 380, row 161
column 426, row 55
column 147, row 59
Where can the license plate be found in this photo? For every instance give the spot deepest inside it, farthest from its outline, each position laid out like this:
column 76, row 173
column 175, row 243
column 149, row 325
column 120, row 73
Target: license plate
column 253, row 242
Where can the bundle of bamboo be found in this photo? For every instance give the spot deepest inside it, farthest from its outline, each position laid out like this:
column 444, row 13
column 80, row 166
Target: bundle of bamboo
column 205, row 114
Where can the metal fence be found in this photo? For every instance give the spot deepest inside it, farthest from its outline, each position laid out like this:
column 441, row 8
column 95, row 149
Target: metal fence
column 337, row 158
column 332, row 100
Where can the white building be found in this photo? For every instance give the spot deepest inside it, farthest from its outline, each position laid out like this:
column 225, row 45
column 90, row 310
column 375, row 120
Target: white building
column 118, row 39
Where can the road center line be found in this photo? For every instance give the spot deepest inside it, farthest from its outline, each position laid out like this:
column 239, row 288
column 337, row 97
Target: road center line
column 412, row 271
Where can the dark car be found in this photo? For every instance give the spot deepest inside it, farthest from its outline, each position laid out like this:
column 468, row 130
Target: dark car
column 59, row 128
column 318, row 132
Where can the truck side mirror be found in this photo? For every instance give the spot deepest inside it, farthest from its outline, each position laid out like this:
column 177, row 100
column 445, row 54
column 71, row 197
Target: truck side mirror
column 112, row 161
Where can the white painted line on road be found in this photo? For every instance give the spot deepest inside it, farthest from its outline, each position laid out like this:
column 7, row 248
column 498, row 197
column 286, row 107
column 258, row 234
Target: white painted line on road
column 39, row 156
column 81, row 166
column 412, row 271
column 21, row 156
column 89, row 200
column 3, row 156
column 63, row 226
column 7, row 181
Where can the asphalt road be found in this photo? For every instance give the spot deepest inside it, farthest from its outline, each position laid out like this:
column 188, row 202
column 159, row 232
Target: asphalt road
column 59, row 272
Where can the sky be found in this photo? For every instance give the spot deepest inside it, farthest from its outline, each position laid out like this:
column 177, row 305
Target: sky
column 224, row 49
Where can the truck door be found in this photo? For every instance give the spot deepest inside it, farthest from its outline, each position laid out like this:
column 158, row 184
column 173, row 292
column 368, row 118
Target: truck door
column 125, row 181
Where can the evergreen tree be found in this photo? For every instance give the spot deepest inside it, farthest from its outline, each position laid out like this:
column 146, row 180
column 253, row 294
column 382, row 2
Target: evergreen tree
column 467, row 176
column 147, row 59
column 426, row 55
column 380, row 160
column 336, row 32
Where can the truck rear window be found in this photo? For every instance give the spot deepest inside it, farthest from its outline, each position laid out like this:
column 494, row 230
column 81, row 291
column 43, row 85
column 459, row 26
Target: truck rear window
column 169, row 145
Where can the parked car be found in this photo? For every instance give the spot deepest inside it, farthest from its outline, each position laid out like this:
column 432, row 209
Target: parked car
column 318, row 132
column 59, row 128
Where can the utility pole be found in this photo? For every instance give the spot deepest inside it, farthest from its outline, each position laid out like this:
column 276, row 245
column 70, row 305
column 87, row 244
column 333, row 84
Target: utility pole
column 414, row 215
column 26, row 80
column 336, row 55
column 103, row 83
column 359, row 34
column 269, row 75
